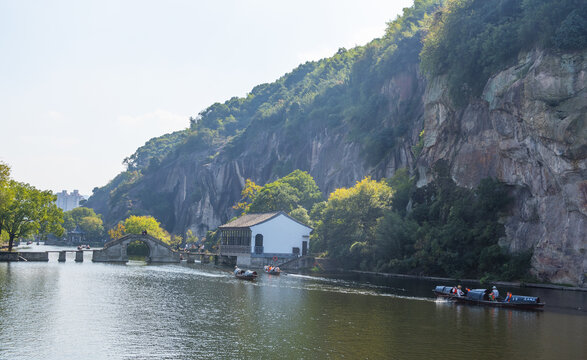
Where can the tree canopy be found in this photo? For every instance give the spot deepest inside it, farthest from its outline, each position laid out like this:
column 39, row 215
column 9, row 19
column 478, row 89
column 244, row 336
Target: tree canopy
column 87, row 220
column 297, row 189
column 28, row 212
column 349, row 220
column 137, row 224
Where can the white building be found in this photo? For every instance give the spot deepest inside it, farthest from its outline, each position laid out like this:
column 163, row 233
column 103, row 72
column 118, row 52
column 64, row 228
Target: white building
column 67, row 201
column 260, row 239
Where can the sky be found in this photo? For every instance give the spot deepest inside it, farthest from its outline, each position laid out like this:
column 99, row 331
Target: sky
column 84, row 83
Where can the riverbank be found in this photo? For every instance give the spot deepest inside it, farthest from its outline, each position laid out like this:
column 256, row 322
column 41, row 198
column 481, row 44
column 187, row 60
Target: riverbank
column 475, row 281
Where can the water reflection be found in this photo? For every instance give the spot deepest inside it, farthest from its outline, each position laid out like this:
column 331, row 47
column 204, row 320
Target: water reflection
column 135, row 311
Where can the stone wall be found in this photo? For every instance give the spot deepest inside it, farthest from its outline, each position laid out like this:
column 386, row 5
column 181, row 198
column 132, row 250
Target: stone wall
column 8, row 256
column 35, row 256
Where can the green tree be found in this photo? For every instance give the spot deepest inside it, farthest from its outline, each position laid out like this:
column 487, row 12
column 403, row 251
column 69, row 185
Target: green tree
column 30, row 210
column 295, row 189
column 248, row 195
column 403, row 185
column 276, row 196
column 308, row 192
column 350, row 218
column 51, row 222
column 301, row 215
column 93, row 227
column 73, row 218
column 6, row 193
column 138, row 224
column 117, row 232
column 572, row 33
column 175, row 240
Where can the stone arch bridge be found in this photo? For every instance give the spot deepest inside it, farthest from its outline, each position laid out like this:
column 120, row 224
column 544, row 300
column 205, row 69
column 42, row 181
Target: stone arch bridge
column 115, row 250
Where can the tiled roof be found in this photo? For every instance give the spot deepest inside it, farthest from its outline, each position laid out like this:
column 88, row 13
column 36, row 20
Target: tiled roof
column 249, row 220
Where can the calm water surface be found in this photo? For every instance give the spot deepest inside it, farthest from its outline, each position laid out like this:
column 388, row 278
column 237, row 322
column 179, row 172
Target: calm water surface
column 137, row 311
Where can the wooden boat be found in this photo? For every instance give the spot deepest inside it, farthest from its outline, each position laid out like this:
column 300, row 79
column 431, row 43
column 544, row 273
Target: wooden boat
column 245, row 274
column 483, row 297
column 273, row 270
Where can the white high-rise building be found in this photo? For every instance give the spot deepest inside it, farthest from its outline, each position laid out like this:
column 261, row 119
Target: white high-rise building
column 67, row 201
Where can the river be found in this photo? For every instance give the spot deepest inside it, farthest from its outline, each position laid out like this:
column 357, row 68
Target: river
column 200, row 311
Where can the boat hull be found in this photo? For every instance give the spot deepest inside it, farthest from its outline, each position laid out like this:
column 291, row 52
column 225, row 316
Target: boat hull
column 475, row 297
column 245, row 275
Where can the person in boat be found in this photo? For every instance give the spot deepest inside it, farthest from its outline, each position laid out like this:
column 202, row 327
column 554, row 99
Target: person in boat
column 457, row 290
column 494, row 294
column 508, row 297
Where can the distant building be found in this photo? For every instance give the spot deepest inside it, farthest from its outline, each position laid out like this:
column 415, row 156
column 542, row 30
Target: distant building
column 259, row 239
column 76, row 237
column 67, row 201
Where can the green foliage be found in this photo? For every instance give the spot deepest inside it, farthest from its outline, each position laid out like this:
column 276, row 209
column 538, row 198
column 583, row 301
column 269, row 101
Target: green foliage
column 572, row 33
column 445, row 231
column 349, row 220
column 73, row 218
column 212, row 240
column 154, row 150
column 297, row 189
column 305, row 188
column 138, row 224
column 417, row 149
column 342, row 90
column 29, row 211
column 190, row 238
column 6, row 193
column 301, row 215
column 87, row 220
column 403, row 185
column 275, row 196
column 248, row 195
column 451, row 231
column 93, row 227
column 469, row 40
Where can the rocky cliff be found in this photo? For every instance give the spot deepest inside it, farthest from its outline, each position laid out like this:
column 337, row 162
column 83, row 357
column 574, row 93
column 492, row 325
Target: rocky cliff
column 203, row 186
column 528, row 130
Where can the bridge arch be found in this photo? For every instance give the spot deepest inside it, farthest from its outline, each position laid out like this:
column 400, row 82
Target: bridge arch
column 116, row 250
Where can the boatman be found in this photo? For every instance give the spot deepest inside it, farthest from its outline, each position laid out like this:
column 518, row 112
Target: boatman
column 460, row 291
column 494, row 294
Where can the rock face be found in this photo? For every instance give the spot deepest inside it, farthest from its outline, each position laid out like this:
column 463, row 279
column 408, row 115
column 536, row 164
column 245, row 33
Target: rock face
column 528, row 130
column 203, row 186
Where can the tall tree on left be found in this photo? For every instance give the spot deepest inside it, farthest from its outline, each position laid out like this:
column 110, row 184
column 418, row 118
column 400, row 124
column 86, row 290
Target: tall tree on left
column 28, row 211
column 6, row 193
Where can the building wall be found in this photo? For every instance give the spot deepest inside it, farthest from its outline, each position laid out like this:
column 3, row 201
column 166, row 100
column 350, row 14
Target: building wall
column 67, row 201
column 280, row 235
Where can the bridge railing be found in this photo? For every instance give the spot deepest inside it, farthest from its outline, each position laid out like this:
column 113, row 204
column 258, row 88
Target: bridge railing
column 234, row 249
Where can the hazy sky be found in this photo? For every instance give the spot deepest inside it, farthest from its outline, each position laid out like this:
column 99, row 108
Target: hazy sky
column 84, row 83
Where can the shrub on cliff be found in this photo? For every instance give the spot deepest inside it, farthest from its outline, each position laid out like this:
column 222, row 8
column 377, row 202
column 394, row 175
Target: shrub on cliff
column 470, row 40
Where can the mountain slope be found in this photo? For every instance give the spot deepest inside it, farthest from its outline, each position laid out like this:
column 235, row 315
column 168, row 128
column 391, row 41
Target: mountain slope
column 362, row 112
